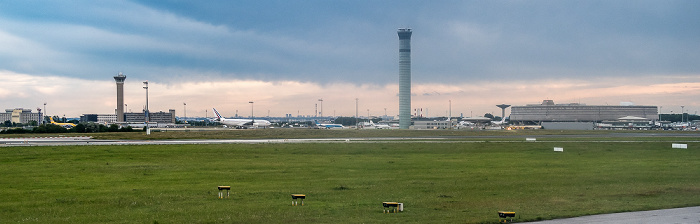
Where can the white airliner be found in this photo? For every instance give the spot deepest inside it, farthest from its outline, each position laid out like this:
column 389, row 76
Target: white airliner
column 503, row 121
column 378, row 126
column 244, row 123
column 329, row 126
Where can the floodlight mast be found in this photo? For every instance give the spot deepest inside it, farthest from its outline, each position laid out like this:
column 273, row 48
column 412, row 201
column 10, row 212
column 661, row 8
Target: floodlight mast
column 252, row 116
column 147, row 117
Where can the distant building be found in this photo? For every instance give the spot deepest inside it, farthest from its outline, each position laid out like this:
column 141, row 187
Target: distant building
column 157, row 117
column 568, row 125
column 431, row 124
column 574, row 112
column 99, row 118
column 20, row 115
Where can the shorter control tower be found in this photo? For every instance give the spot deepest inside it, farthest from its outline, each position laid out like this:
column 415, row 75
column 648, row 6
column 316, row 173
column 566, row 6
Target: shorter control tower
column 503, row 109
column 120, row 96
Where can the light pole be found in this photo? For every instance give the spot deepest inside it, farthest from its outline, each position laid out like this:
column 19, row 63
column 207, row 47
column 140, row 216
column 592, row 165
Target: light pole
column 43, row 118
column 148, row 129
column 185, row 105
column 450, row 114
column 357, row 100
column 126, row 107
column 682, row 114
column 252, row 116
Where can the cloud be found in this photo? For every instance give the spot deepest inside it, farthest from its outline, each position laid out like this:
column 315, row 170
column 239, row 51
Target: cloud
column 224, row 54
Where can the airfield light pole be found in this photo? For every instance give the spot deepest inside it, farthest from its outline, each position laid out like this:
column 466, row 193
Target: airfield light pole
column 357, row 100
column 252, row 116
column 682, row 107
column 43, row 118
column 185, row 105
column 148, row 129
column 126, row 108
column 450, row 114
column 368, row 114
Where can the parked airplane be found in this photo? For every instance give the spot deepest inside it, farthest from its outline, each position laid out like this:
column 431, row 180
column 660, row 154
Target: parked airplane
column 241, row 123
column 65, row 125
column 502, row 122
column 329, row 126
column 378, row 126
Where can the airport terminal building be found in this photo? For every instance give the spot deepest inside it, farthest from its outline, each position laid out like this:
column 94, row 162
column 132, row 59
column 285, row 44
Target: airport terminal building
column 99, row 118
column 20, row 116
column 155, row 117
column 574, row 112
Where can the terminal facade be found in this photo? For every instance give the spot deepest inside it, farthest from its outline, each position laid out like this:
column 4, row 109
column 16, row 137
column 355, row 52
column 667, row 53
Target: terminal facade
column 99, row 118
column 20, row 116
column 574, row 112
column 154, row 117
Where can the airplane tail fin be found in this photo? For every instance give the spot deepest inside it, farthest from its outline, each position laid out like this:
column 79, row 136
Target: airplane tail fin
column 217, row 114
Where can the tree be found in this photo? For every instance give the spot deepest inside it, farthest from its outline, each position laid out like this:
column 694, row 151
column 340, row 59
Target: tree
column 113, row 128
column 103, row 128
column 126, row 129
column 92, row 127
column 79, row 128
column 15, row 131
column 49, row 128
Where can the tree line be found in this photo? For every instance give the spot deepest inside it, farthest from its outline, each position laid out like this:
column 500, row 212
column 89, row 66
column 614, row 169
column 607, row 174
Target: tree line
column 79, row 128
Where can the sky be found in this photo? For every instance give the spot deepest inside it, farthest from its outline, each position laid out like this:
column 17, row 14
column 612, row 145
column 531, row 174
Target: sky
column 287, row 55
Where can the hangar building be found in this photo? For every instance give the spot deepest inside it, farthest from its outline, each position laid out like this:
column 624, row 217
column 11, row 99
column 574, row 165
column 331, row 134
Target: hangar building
column 575, row 112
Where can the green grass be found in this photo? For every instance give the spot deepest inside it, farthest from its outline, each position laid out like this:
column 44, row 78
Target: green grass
column 346, row 183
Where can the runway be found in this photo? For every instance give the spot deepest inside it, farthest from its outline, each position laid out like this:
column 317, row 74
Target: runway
column 675, row 215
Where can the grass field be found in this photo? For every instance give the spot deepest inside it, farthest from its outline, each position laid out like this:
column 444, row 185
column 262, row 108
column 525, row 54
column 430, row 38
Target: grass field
column 344, row 183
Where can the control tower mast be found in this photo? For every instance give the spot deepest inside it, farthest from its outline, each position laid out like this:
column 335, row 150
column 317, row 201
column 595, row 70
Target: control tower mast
column 120, row 96
column 404, row 77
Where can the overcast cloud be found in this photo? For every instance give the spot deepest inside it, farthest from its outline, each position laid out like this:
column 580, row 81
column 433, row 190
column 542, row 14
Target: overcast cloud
column 285, row 55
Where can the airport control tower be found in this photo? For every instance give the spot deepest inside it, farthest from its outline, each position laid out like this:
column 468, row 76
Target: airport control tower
column 404, row 77
column 120, row 96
